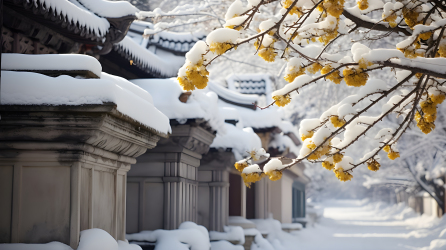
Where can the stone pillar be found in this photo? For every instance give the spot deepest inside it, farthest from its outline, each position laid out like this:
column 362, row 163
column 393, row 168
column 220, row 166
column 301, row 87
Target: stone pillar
column 63, row 170
column 162, row 186
column 213, row 190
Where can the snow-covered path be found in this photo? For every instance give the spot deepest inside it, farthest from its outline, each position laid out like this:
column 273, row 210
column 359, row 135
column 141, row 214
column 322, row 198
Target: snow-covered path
column 358, row 225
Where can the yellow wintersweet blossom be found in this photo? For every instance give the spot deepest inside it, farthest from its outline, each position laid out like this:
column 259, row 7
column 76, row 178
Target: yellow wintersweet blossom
column 306, row 136
column 240, row 165
column 234, row 27
column 327, row 165
column 274, row 175
column 363, row 4
column 319, row 153
column 337, row 123
column 441, row 51
column 425, row 36
column 411, row 17
column 196, row 77
column 373, row 165
column 341, row 175
column 429, row 109
column 363, row 63
column 327, row 37
column 250, row 178
column 391, row 19
column 295, row 10
column 411, row 52
column 282, row 100
column 314, row 68
column 334, row 77
column 437, row 99
column 423, row 125
column 294, row 72
column 333, row 7
column 390, row 153
column 268, row 54
column 220, row 48
column 355, row 77
column 337, row 157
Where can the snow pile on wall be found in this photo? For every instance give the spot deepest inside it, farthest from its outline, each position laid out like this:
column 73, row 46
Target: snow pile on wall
column 110, row 9
column 76, row 13
column 188, row 236
column 48, row 246
column 96, row 238
column 200, row 104
column 23, row 62
column 165, row 65
column 241, row 140
column 224, row 245
column 26, row 88
column 231, row 233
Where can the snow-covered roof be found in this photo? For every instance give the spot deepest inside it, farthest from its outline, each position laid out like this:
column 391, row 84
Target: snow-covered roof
column 54, row 62
column 257, row 119
column 111, row 9
column 176, row 42
column 26, row 88
column 233, row 97
column 200, row 105
column 259, row 84
column 165, row 65
column 241, row 140
column 84, row 18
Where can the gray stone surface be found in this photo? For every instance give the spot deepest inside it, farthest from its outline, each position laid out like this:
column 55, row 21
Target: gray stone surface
column 63, row 169
column 163, row 185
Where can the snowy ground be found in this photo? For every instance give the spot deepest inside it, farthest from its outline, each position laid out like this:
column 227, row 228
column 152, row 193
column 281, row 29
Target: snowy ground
column 355, row 224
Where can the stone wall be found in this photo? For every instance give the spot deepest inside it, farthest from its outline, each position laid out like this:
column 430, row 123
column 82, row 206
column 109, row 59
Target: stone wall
column 63, row 169
column 163, row 186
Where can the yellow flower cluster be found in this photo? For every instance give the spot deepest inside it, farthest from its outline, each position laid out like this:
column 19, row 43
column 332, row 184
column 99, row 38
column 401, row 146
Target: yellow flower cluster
column 294, row 72
column 334, row 77
column 250, row 178
column 327, row 165
column 355, row 77
column 314, row 68
column 333, row 7
column 425, row 127
column 341, row 175
column 306, row 136
column 234, row 27
column 282, row 100
column 320, row 152
column 373, row 165
column 425, row 36
column 391, row 19
column 337, row 122
column 274, row 175
column 429, row 109
column 220, row 48
column 410, row 52
column 196, row 77
column 441, row 51
column 240, row 165
column 268, row 54
column 295, row 10
column 363, row 63
column 437, row 99
column 411, row 17
column 390, row 153
column 327, row 37
column 363, row 4
column 337, row 157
